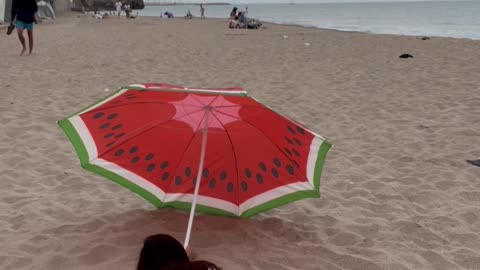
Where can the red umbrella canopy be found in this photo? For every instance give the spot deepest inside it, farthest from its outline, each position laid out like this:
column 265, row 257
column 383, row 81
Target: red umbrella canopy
column 148, row 138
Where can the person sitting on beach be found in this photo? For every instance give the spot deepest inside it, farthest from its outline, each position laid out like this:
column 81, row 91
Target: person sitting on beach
column 233, row 13
column 189, row 15
column 23, row 17
column 243, row 21
column 233, row 18
column 169, row 15
column 99, row 16
column 163, row 252
column 241, row 18
column 233, row 23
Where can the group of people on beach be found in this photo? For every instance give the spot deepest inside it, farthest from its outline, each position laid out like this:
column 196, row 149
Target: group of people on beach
column 189, row 15
column 123, row 6
column 239, row 19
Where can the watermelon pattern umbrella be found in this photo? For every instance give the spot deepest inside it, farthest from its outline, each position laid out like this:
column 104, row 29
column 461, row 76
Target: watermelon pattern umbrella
column 216, row 151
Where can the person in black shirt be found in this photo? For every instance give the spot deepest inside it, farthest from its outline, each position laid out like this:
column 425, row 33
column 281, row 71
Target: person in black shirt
column 23, row 17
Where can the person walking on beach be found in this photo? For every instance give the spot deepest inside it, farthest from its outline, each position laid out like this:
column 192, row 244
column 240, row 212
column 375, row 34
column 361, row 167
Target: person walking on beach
column 202, row 11
column 23, row 17
column 118, row 7
column 127, row 9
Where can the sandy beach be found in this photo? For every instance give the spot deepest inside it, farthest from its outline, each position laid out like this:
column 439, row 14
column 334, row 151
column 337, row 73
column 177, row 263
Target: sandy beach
column 397, row 193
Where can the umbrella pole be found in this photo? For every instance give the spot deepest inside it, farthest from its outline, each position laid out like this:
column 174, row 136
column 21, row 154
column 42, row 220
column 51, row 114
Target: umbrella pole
column 199, row 177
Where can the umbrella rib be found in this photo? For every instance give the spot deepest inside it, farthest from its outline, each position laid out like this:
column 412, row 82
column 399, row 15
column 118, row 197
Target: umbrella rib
column 183, row 154
column 250, row 124
column 233, row 116
column 288, row 158
column 188, row 114
column 201, row 104
column 140, row 131
column 234, row 155
column 274, row 145
column 137, row 132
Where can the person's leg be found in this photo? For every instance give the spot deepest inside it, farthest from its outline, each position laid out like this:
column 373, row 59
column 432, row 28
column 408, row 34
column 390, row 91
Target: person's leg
column 22, row 40
column 30, row 41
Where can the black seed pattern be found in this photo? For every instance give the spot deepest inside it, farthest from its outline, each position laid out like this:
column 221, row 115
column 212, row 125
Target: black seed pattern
column 259, row 178
column 300, row 130
column 98, row 115
column 290, row 129
column 178, row 180
column 112, row 116
column 119, row 135
column 133, row 149
column 277, row 162
column 297, row 141
column 108, row 135
column 262, row 166
column 288, row 140
column 104, row 126
column 194, row 180
column 135, row 160
column 212, row 183
column 119, row 153
column 244, row 186
column 164, row 165
column 150, row 167
column 205, row 173
column 165, row 176
column 295, row 152
column 149, row 156
column 188, row 171
column 110, row 144
column 223, row 175
column 116, row 127
column 247, row 172
column 289, row 169
column 274, row 172
column 230, row 187
column 287, row 151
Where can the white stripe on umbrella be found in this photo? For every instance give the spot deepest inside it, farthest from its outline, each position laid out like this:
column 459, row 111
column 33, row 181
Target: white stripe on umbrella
column 130, row 176
column 86, row 137
column 312, row 159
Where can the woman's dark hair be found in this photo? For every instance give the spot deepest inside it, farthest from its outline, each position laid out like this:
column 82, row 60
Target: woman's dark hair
column 163, row 252
column 195, row 265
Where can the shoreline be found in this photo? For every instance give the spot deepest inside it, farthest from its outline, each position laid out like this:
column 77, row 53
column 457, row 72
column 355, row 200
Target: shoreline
column 322, row 29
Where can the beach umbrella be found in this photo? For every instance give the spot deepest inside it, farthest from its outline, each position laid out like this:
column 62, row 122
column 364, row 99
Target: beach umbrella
column 216, row 151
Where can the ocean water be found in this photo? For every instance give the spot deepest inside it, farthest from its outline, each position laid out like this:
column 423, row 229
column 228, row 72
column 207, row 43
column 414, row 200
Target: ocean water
column 458, row 19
